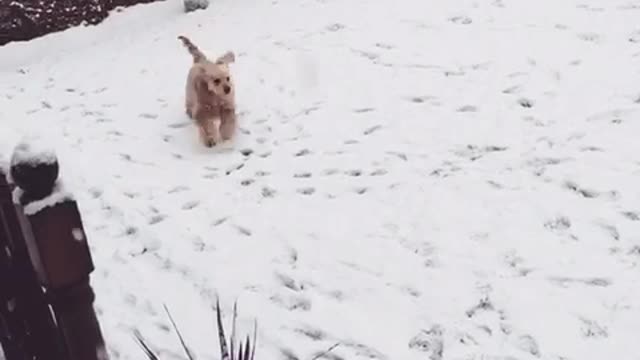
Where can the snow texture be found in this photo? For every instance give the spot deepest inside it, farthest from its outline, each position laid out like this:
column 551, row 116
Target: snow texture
column 78, row 234
column 7, row 143
column 416, row 180
column 33, row 150
column 59, row 195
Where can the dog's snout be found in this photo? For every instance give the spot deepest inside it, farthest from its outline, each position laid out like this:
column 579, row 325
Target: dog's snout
column 227, row 89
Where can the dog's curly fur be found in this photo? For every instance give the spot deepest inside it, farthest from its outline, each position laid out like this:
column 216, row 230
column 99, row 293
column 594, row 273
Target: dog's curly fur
column 210, row 95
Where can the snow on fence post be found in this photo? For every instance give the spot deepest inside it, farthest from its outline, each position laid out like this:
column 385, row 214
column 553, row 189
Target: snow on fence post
column 27, row 328
column 58, row 249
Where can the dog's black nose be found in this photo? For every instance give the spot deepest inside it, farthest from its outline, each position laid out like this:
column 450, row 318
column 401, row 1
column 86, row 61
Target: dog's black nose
column 226, row 89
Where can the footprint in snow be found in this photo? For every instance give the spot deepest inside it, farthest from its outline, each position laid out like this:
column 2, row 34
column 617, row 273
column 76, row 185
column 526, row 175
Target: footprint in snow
column 234, row 168
column 179, row 125
column 155, row 219
column 95, row 193
column 148, row 116
column 429, row 341
column 177, row 189
column 611, row 230
column 421, row 99
column 631, row 215
column 525, row 103
column 130, row 230
column 512, row 89
column 378, row 172
column 528, row 344
column 294, row 302
column 461, row 20
column 560, row 223
column 303, row 152
column 360, row 190
column 268, row 192
column 247, row 182
column 243, row 230
column 591, row 329
column 306, row 191
column 589, row 37
column 587, row 193
column 219, row 221
column 289, row 282
column 468, row 108
column 131, row 195
column 312, row 333
column 335, row 27
column 372, row 129
column 190, row 205
column 302, row 175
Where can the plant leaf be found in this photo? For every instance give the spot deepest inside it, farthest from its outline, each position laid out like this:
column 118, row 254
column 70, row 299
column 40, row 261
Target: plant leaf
column 175, row 327
column 224, row 352
column 143, row 345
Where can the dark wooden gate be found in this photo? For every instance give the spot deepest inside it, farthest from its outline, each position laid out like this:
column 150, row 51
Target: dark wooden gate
column 46, row 300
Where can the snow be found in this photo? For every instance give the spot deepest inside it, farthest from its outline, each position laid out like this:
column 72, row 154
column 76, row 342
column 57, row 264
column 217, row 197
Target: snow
column 78, row 234
column 430, row 179
column 7, row 143
column 58, row 195
column 33, row 150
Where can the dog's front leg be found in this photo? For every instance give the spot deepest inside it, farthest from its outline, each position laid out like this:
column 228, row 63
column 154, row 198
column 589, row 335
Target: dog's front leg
column 228, row 123
column 209, row 131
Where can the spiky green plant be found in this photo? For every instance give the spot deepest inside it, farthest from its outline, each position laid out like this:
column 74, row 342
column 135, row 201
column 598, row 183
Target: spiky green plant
column 246, row 350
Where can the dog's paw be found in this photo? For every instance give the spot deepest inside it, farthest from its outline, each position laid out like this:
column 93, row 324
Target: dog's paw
column 210, row 142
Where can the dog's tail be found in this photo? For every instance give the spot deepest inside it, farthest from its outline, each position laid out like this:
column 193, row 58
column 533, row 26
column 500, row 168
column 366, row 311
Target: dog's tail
column 198, row 55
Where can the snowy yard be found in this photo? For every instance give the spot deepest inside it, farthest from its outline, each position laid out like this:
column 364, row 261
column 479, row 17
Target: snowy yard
column 442, row 179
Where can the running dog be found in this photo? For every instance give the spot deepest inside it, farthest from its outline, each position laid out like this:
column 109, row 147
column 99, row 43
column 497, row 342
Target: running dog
column 210, row 95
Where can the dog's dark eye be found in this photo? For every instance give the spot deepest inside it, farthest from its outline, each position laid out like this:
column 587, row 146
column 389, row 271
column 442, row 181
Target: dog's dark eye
column 227, row 78
column 216, row 81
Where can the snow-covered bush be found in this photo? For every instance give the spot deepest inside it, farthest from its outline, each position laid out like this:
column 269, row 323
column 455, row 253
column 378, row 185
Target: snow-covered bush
column 193, row 5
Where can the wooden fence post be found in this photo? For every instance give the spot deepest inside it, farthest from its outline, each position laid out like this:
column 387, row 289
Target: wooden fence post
column 59, row 252
column 27, row 328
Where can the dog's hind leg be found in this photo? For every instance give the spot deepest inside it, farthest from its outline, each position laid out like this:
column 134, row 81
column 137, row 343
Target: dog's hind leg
column 188, row 108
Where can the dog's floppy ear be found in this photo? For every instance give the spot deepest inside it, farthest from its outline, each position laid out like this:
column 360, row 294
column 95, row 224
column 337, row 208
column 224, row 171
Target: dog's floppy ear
column 226, row 58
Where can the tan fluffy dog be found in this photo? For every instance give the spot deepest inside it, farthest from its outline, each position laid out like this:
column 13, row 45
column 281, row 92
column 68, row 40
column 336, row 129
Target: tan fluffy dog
column 210, row 96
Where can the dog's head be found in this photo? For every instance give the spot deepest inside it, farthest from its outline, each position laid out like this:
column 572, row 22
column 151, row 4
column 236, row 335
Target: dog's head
column 215, row 78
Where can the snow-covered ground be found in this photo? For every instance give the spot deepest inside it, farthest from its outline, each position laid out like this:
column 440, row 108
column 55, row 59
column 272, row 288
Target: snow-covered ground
column 443, row 179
